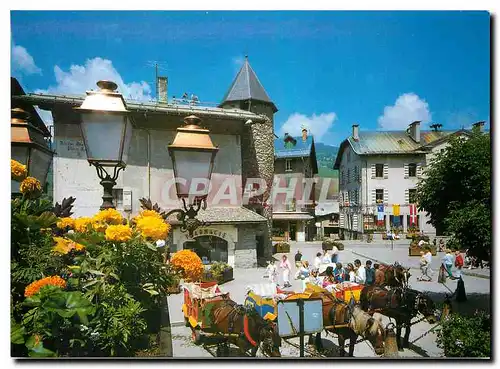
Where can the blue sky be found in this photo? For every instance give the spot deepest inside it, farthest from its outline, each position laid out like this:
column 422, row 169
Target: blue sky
column 325, row 70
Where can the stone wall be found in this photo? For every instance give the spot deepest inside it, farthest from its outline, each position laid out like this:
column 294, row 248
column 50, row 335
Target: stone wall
column 245, row 253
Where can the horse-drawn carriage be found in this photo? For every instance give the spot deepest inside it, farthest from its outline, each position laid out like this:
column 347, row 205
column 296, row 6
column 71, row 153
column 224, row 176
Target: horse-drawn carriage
column 210, row 313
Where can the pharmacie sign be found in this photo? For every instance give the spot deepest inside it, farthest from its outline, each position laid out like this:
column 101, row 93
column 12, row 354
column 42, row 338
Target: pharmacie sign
column 210, row 232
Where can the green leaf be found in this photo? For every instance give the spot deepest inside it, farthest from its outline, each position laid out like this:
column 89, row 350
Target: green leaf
column 151, row 246
column 17, row 334
column 153, row 292
column 91, row 283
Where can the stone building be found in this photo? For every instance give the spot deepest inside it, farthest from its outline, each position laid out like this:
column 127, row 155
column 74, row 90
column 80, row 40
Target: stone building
column 295, row 163
column 383, row 168
column 242, row 128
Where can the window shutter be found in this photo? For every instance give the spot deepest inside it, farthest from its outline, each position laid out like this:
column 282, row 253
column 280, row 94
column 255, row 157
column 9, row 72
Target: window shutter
column 359, row 174
column 355, row 221
column 419, row 170
column 341, row 220
column 373, row 171
column 374, row 196
column 386, row 171
column 407, row 171
column 386, row 196
column 407, row 196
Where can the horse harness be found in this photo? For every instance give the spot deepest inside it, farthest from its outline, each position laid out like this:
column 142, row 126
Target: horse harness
column 233, row 315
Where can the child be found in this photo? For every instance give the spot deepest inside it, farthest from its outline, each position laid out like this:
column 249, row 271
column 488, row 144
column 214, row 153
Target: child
column 338, row 273
column 424, row 266
column 272, row 272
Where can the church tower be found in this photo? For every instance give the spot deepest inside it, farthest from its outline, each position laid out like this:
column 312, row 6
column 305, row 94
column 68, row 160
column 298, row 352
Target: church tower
column 257, row 142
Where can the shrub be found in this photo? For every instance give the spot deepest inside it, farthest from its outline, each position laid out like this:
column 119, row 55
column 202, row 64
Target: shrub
column 462, row 336
column 188, row 265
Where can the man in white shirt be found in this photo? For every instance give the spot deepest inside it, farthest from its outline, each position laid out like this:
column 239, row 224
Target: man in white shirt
column 360, row 272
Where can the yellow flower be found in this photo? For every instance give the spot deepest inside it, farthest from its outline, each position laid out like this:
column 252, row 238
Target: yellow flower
column 34, row 287
column 64, row 245
column 146, row 214
column 30, row 186
column 153, row 227
column 82, row 223
column 120, row 233
column 17, row 170
column 109, row 216
column 98, row 226
column 66, row 222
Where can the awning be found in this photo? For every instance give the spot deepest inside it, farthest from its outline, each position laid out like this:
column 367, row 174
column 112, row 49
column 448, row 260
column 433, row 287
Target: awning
column 223, row 215
column 292, row 216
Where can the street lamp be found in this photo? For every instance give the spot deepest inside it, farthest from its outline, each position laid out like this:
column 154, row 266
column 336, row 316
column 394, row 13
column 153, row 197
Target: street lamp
column 29, row 147
column 106, row 131
column 193, row 155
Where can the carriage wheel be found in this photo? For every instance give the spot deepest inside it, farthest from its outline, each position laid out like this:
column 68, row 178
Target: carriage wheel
column 196, row 336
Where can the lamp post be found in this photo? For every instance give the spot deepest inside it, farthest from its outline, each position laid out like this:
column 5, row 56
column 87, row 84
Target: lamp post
column 106, row 131
column 193, row 155
column 29, row 147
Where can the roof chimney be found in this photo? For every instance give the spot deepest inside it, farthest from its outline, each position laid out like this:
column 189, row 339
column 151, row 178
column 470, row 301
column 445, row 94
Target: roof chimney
column 355, row 132
column 415, row 131
column 304, row 134
column 478, row 126
column 162, row 89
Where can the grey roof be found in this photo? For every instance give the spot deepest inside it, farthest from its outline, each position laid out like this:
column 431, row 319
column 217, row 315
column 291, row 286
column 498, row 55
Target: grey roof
column 393, row 142
column 292, row 216
column 224, row 215
column 246, row 86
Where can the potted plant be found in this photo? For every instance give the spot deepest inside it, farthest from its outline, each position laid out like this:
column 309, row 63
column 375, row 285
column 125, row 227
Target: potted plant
column 221, row 272
column 281, row 247
column 327, row 244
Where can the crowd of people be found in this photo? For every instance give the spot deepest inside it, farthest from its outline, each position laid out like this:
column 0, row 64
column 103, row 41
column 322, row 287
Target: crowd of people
column 325, row 270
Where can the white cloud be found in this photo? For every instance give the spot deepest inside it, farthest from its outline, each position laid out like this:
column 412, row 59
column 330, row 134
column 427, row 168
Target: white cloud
column 22, row 61
column 407, row 109
column 81, row 78
column 317, row 125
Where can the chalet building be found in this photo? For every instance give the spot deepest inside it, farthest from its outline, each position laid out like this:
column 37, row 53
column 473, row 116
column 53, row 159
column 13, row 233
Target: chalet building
column 295, row 160
column 380, row 169
column 241, row 126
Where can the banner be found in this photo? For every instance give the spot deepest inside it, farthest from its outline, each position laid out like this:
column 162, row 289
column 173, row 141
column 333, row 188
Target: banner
column 413, row 215
column 380, row 212
column 395, row 210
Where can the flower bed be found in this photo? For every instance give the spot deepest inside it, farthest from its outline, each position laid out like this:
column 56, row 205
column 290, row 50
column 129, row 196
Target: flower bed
column 328, row 244
column 281, row 247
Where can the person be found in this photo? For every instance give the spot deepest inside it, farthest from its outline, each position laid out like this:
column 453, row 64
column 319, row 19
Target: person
column 379, row 275
column 424, row 266
column 389, row 235
column 447, row 263
column 350, row 273
column 370, row 273
column 441, row 245
column 285, row 265
column 428, row 257
column 327, row 259
column 360, row 272
column 329, row 279
column 335, row 254
column 338, row 273
column 272, row 272
column 317, row 261
column 304, row 274
column 314, row 278
column 459, row 263
column 298, row 259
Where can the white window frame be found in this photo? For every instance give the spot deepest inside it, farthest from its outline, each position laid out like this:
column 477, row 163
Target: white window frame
column 288, row 165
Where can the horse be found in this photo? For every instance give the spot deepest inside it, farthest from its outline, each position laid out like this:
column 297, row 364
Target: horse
column 244, row 328
column 348, row 322
column 402, row 304
column 395, row 275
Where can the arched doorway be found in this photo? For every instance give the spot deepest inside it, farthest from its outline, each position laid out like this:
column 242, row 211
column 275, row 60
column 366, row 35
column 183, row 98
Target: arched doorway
column 209, row 248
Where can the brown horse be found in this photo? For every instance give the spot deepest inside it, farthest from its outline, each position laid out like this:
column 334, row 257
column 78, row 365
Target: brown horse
column 402, row 304
column 348, row 322
column 395, row 275
column 244, row 328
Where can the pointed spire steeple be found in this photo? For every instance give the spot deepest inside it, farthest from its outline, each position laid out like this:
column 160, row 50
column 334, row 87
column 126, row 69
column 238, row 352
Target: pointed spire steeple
column 246, row 86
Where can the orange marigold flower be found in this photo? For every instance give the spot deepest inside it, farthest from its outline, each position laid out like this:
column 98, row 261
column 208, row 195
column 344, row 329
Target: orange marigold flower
column 153, row 228
column 66, row 222
column 82, row 224
column 17, row 170
column 109, row 216
column 188, row 264
column 30, row 186
column 34, row 287
column 120, row 233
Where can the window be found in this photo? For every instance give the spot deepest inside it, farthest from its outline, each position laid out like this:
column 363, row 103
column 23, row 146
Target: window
column 288, row 165
column 379, row 195
column 379, row 170
column 342, row 175
column 118, row 198
column 356, row 174
column 356, row 197
column 415, row 224
column 412, row 170
column 396, row 222
column 348, row 175
column 412, row 195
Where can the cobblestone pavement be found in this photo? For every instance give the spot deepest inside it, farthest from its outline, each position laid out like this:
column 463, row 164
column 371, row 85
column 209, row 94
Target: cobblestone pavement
column 478, row 290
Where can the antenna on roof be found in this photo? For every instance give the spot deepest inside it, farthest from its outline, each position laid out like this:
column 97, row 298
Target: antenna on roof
column 435, row 127
column 158, row 65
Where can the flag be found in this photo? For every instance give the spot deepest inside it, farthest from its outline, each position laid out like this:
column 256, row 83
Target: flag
column 395, row 210
column 380, row 212
column 413, row 214
column 396, row 220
